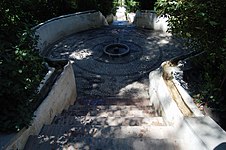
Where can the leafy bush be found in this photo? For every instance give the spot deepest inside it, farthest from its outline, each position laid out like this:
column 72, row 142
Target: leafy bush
column 147, row 4
column 202, row 24
column 21, row 68
column 132, row 5
column 21, row 71
column 106, row 7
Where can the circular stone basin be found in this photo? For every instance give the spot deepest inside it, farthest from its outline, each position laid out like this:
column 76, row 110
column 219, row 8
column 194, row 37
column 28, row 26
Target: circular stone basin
column 116, row 49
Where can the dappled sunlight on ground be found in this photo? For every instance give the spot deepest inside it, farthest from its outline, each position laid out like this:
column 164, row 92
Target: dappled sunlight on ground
column 80, row 54
column 134, row 90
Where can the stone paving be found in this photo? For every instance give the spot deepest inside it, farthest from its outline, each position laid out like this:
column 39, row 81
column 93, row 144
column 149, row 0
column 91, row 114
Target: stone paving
column 99, row 75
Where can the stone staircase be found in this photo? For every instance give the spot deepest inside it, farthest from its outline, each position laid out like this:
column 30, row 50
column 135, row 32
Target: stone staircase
column 107, row 124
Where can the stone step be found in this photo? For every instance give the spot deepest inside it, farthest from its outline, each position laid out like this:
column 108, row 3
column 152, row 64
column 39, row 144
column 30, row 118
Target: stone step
column 110, row 121
column 110, row 111
column 88, row 143
column 155, row 132
column 113, row 101
column 111, row 107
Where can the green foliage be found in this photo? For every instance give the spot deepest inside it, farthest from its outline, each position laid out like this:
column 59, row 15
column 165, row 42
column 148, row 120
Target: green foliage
column 106, row 7
column 21, row 68
column 203, row 24
column 132, row 5
column 147, row 4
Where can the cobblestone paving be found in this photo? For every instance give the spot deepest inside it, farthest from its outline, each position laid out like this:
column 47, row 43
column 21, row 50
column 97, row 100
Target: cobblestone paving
column 99, row 75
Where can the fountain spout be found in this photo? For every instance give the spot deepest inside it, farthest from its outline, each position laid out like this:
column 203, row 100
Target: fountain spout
column 117, row 40
column 116, row 49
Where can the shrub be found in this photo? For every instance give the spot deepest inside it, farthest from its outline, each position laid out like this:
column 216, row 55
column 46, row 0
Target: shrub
column 106, row 7
column 21, row 68
column 132, row 5
column 147, row 4
column 21, row 71
column 202, row 24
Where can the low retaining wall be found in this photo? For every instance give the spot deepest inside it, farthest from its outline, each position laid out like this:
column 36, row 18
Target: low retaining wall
column 149, row 19
column 198, row 131
column 56, row 28
column 62, row 95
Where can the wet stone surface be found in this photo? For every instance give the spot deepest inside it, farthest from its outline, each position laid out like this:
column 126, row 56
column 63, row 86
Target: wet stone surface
column 99, row 75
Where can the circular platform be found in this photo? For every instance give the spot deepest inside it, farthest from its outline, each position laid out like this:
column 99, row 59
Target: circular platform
column 140, row 51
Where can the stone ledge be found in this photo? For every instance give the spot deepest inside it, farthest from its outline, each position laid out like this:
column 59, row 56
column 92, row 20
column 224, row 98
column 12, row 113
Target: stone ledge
column 58, row 99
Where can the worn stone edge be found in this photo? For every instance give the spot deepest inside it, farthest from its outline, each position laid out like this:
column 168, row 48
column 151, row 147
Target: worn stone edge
column 50, row 107
column 161, row 99
column 187, row 99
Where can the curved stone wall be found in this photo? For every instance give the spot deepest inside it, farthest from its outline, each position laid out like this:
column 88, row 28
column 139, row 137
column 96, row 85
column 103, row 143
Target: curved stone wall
column 56, row 28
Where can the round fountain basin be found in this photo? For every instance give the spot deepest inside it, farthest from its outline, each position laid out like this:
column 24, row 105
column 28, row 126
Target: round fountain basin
column 116, row 49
